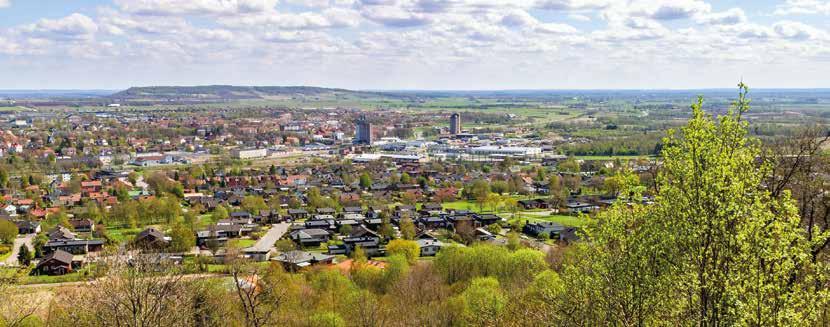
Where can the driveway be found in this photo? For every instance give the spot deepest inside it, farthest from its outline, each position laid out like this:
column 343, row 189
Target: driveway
column 267, row 241
column 20, row 240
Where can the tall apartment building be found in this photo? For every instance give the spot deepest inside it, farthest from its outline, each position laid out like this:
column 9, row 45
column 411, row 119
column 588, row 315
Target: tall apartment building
column 363, row 131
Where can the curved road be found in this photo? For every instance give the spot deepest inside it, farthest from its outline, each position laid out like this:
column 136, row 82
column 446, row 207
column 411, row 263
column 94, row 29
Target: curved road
column 27, row 239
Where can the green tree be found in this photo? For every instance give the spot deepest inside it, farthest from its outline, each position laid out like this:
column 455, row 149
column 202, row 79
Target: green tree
column 183, row 238
column 4, row 177
column 484, row 302
column 407, row 228
column 365, row 181
column 24, row 256
column 409, row 249
column 714, row 249
column 8, row 231
column 253, row 204
column 220, row 213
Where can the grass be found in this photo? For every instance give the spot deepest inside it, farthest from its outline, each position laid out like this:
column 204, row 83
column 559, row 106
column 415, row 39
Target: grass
column 122, row 234
column 592, row 158
column 6, row 255
column 245, row 243
column 561, row 219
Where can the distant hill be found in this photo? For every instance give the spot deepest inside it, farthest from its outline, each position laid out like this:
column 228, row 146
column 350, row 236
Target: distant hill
column 221, row 92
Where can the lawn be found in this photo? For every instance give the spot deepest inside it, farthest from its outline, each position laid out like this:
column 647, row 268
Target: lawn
column 593, row 158
column 561, row 219
column 244, row 243
column 122, row 234
column 6, row 255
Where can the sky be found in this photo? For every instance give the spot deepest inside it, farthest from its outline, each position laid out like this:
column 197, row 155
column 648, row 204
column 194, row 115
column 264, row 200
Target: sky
column 415, row 44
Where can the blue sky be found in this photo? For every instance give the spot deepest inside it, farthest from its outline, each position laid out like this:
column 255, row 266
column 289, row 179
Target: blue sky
column 415, row 44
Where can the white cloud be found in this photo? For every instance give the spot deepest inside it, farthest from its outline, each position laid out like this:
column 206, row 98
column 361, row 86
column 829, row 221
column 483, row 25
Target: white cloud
column 573, row 5
column 518, row 18
column 793, row 7
column 74, row 26
column 669, row 9
column 730, row 17
column 5, row 3
column 796, row 30
column 195, row 7
column 394, row 16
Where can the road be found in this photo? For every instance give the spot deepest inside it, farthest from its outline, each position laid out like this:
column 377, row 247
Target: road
column 20, row 240
column 267, row 241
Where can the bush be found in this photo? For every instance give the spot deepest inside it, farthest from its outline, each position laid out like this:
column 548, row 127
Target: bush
column 5, row 249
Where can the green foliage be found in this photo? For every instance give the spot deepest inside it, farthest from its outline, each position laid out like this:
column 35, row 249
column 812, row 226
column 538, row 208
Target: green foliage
column 326, row 319
column 407, row 228
column 715, row 249
column 484, row 302
column 8, row 231
column 183, row 238
column 24, row 256
column 365, row 181
column 459, row 264
column 408, row 249
column 253, row 204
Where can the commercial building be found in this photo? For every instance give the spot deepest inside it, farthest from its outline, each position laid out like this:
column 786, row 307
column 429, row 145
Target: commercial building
column 249, row 153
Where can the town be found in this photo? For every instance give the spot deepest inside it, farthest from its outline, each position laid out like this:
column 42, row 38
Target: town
column 327, row 180
column 115, row 191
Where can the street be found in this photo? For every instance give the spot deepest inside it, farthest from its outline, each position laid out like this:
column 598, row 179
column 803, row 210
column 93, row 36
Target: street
column 20, row 240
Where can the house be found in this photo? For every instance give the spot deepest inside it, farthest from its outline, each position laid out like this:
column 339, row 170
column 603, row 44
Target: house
column 432, row 222
column 363, row 237
column 549, row 230
column 487, row 219
column 328, row 224
column 61, row 233
column 534, row 204
column 310, row 237
column 28, row 226
column 151, row 238
column 429, row 246
column 295, row 260
column 298, row 214
column 83, row 225
column 56, row 263
column 576, row 207
column 326, row 211
column 352, row 210
column 482, row 234
column 73, row 246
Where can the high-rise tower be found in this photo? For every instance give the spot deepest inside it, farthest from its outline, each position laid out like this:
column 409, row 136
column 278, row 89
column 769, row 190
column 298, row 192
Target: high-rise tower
column 363, row 131
column 455, row 123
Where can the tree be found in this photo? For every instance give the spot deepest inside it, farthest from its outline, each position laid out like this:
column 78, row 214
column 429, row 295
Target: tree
column 220, row 213
column 484, row 302
column 365, row 181
column 718, row 248
column 4, row 177
column 253, row 204
column 407, row 228
column 24, row 256
column 260, row 292
column 8, row 231
column 409, row 249
column 183, row 238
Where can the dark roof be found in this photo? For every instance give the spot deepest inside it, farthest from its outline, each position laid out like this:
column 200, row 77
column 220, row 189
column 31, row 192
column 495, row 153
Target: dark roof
column 352, row 209
column 150, row 232
column 57, row 243
column 59, row 256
